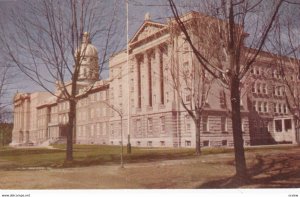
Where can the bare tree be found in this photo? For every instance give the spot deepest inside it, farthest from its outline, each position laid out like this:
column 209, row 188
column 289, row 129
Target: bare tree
column 5, row 104
column 120, row 113
column 217, row 40
column 192, row 87
column 46, row 40
column 4, row 82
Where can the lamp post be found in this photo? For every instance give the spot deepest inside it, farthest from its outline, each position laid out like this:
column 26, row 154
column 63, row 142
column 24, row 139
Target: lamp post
column 120, row 113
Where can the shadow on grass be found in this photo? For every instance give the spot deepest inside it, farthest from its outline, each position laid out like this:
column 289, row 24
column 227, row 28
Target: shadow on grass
column 268, row 171
column 115, row 159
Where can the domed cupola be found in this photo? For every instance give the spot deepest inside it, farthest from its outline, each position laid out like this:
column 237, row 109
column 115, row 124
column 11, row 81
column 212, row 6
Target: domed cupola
column 89, row 68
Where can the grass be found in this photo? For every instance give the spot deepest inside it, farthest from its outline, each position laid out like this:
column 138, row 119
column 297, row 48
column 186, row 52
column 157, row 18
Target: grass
column 268, row 167
column 87, row 155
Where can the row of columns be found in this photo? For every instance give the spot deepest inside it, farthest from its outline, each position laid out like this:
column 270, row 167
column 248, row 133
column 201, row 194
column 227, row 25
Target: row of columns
column 146, row 63
column 21, row 120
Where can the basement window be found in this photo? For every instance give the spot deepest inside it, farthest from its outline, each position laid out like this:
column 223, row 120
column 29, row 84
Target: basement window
column 206, row 143
column 224, row 142
column 187, row 143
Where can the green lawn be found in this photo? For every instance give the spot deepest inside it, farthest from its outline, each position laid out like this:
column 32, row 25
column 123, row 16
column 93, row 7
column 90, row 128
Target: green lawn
column 87, row 155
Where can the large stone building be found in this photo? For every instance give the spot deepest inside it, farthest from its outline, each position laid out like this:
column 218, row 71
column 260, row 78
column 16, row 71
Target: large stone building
column 141, row 94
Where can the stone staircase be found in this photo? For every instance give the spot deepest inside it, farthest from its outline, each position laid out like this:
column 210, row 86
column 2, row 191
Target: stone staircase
column 59, row 140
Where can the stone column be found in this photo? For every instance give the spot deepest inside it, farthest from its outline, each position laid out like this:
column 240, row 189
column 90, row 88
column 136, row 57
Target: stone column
column 138, row 79
column 149, row 74
column 145, row 81
column 22, row 115
column 160, row 69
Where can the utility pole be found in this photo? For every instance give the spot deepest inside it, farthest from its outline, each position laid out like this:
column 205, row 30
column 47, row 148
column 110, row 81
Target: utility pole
column 128, row 74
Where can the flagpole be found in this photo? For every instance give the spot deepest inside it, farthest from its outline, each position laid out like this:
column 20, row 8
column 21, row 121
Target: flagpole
column 128, row 74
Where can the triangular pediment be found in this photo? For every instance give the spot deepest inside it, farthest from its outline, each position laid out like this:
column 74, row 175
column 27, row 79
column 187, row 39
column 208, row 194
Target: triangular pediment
column 148, row 28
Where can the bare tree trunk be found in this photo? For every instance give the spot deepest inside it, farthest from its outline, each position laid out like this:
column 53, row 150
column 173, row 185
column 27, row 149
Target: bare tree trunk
column 241, row 169
column 69, row 152
column 198, row 147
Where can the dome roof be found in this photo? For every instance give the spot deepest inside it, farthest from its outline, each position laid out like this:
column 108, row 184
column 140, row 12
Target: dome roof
column 89, row 50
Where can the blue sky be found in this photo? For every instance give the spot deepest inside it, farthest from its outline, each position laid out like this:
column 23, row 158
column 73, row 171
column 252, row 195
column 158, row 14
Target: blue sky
column 137, row 10
column 158, row 10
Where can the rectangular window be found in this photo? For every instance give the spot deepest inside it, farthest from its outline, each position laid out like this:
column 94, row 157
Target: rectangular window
column 98, row 96
column 258, row 71
column 84, row 131
column 223, row 124
column 112, row 112
column 265, row 91
column 278, row 125
column 254, row 106
column 106, row 95
column 162, row 123
column 105, row 128
column 132, row 68
column 92, row 112
column 119, row 129
column 187, row 123
column 288, row 124
column 258, row 88
column 99, row 131
column 150, row 125
column 131, row 85
column 112, row 93
column 285, row 110
column 186, row 68
column 188, row 96
column 259, row 106
column 279, row 108
column 243, row 125
column 277, row 91
column 112, row 132
column 162, row 143
column 266, row 107
column 222, row 99
column 270, row 126
column 253, row 88
column 149, row 143
column 92, row 131
column 167, row 97
column 205, row 124
column 138, row 130
column 274, row 73
column 120, row 90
